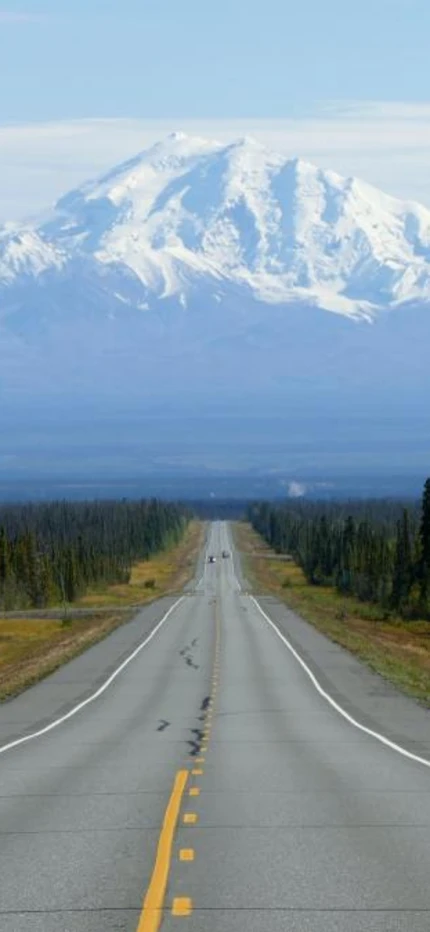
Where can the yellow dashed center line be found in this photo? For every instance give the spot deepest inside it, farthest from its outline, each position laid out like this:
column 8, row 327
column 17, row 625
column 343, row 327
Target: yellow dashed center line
column 186, row 854
column 190, row 818
column 182, row 906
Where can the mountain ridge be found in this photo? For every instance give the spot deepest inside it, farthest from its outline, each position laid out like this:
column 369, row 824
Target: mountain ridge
column 214, row 285
column 190, row 212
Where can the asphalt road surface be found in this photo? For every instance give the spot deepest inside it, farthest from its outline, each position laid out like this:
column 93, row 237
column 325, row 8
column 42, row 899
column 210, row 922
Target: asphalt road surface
column 211, row 786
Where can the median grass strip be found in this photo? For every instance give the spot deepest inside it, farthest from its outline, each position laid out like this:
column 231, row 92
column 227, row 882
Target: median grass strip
column 33, row 647
column 399, row 650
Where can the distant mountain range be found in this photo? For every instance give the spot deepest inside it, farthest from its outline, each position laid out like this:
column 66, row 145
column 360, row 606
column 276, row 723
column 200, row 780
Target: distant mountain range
column 237, row 217
column 205, row 277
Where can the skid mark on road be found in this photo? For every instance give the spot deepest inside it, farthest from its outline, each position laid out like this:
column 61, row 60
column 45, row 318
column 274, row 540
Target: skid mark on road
column 182, row 906
column 163, row 724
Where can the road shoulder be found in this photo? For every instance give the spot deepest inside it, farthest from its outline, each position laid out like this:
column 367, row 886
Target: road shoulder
column 74, row 681
column 363, row 693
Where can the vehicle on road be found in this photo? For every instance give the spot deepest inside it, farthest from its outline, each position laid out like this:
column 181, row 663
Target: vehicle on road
column 225, row 554
column 212, row 559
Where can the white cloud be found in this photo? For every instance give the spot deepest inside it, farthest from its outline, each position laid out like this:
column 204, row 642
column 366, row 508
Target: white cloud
column 386, row 144
column 377, row 110
column 296, row 489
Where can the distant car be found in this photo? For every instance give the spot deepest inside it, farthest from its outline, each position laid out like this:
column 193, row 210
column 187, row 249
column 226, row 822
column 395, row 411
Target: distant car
column 225, row 554
column 212, row 559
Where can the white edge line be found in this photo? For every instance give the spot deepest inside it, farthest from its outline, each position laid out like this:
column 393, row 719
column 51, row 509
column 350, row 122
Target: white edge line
column 99, row 692
column 352, row 721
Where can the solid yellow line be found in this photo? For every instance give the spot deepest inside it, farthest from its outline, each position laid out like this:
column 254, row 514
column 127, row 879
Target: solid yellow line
column 151, row 915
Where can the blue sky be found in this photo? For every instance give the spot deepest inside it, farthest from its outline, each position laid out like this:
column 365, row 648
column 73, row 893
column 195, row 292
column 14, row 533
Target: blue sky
column 202, row 59
column 87, row 83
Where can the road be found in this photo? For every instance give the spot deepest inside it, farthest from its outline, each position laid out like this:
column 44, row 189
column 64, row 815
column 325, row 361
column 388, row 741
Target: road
column 210, row 787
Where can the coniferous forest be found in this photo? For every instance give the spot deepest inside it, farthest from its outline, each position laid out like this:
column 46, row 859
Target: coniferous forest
column 378, row 551
column 53, row 552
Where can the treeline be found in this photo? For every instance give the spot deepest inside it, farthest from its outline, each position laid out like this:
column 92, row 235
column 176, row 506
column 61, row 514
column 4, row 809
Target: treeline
column 378, row 551
column 54, row 552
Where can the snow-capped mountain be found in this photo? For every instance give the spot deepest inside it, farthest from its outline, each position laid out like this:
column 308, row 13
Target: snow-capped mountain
column 195, row 279
column 191, row 219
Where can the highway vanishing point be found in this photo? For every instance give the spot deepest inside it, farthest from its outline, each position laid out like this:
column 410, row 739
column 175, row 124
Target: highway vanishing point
column 215, row 765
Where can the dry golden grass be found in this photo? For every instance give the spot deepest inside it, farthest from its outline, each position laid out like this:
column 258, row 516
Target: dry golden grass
column 169, row 571
column 399, row 650
column 31, row 648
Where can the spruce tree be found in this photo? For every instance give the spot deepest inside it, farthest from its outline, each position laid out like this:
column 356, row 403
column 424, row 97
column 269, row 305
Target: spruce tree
column 424, row 568
column 403, row 575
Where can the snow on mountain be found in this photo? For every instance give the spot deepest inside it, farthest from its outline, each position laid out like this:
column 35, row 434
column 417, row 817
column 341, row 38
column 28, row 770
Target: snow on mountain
column 190, row 216
column 23, row 252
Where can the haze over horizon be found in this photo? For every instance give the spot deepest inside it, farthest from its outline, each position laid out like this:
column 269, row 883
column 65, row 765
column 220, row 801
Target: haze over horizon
column 228, row 252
